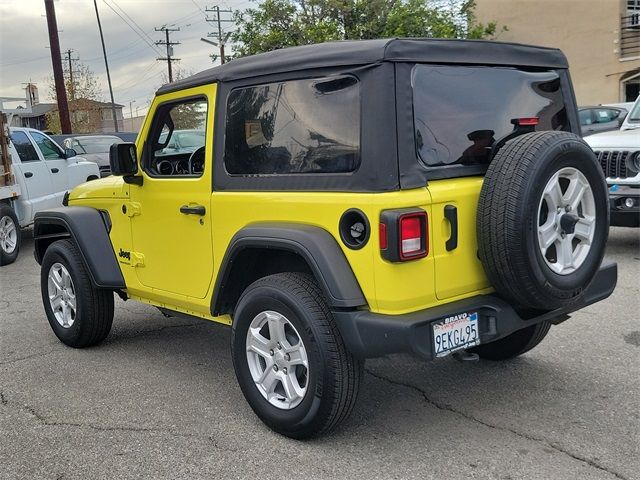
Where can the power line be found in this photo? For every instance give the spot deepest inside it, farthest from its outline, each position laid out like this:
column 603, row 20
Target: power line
column 222, row 40
column 169, row 44
column 148, row 42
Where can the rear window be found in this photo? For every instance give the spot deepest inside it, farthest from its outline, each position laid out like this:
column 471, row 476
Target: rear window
column 460, row 111
column 306, row 126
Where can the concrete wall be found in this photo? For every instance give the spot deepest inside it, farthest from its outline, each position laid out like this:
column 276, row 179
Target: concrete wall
column 587, row 31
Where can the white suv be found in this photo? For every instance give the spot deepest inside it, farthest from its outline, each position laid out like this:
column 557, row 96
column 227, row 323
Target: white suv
column 43, row 172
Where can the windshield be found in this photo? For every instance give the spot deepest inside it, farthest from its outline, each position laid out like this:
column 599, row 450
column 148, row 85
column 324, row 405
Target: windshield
column 634, row 115
column 94, row 145
column 459, row 112
column 190, row 139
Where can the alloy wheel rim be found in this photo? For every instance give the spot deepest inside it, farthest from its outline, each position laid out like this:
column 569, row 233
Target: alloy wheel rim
column 62, row 296
column 566, row 221
column 277, row 360
column 8, row 235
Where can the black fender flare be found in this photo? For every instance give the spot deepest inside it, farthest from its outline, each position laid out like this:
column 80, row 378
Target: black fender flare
column 316, row 246
column 89, row 229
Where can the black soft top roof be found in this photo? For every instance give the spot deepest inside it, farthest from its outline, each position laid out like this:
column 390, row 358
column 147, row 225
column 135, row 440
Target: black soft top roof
column 365, row 52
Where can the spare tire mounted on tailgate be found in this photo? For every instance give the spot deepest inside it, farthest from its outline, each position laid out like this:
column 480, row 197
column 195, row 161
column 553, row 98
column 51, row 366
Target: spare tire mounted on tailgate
column 543, row 219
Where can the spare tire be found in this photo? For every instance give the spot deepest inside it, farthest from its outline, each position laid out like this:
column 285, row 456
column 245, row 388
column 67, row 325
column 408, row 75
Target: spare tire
column 543, row 219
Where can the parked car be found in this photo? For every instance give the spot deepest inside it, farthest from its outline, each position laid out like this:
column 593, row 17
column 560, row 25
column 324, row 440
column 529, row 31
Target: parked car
column 600, row 119
column 355, row 199
column 94, row 148
column 40, row 174
column 619, row 156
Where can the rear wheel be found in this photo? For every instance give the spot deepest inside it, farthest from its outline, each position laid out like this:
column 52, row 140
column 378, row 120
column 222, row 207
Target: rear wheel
column 515, row 344
column 290, row 360
column 10, row 237
column 79, row 314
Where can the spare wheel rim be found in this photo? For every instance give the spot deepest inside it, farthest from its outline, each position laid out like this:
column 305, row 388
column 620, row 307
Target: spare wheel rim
column 566, row 221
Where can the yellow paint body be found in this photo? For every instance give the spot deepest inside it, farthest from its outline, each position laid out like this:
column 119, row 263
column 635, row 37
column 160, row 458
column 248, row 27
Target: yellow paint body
column 176, row 258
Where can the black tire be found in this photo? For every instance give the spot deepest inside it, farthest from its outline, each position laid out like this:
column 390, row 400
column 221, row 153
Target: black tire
column 507, row 220
column 7, row 257
column 94, row 306
column 334, row 374
column 515, row 344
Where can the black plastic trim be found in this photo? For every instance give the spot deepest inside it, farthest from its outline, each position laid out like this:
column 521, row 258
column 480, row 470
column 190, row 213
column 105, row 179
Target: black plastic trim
column 369, row 335
column 451, row 214
column 87, row 228
column 316, row 246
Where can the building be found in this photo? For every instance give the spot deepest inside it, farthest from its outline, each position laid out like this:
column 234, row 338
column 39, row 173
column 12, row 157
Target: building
column 89, row 116
column 29, row 111
column 601, row 39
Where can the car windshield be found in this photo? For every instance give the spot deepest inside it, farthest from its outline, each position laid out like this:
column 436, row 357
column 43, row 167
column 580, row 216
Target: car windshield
column 190, row 139
column 94, row 145
column 459, row 111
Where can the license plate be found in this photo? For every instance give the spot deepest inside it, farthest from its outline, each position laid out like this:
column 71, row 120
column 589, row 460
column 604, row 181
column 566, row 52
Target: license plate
column 456, row 332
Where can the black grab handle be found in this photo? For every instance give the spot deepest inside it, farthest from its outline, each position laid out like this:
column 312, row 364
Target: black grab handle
column 451, row 214
column 194, row 210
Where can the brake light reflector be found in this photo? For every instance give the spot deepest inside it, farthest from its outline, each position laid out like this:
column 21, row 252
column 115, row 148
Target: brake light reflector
column 383, row 236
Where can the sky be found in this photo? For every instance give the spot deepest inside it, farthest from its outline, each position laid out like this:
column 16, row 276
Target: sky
column 135, row 72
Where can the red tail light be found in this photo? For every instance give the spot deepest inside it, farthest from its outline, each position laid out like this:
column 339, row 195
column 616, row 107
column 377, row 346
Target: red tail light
column 413, row 235
column 403, row 234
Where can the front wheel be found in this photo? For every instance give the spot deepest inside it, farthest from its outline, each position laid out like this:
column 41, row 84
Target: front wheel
column 289, row 358
column 10, row 237
column 79, row 314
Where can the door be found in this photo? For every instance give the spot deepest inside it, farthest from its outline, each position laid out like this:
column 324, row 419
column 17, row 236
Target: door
column 53, row 156
column 170, row 212
column 36, row 174
column 454, row 244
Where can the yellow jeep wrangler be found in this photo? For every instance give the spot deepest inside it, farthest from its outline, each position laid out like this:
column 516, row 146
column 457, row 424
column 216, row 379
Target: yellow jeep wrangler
column 342, row 201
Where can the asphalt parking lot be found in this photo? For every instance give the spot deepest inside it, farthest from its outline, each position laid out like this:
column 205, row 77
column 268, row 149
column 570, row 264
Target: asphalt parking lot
column 159, row 399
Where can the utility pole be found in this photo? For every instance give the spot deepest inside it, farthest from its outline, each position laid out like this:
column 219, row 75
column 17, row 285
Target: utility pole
column 56, row 60
column 169, row 44
column 106, row 64
column 72, row 88
column 222, row 40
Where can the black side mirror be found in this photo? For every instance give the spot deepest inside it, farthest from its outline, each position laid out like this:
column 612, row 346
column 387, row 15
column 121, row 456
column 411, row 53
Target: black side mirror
column 123, row 159
column 69, row 153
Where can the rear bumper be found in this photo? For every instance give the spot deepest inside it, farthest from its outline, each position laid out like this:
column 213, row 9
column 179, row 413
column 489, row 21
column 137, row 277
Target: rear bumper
column 621, row 215
column 369, row 335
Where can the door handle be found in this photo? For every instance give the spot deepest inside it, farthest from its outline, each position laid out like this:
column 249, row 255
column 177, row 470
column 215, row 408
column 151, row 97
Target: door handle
column 451, row 214
column 54, row 170
column 193, row 210
column 28, row 174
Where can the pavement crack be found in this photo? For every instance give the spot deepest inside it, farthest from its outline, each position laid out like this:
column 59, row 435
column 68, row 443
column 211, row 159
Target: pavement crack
column 27, row 357
column 3, row 400
column 449, row 408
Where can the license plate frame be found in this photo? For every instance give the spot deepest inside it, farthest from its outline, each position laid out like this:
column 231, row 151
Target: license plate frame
column 455, row 332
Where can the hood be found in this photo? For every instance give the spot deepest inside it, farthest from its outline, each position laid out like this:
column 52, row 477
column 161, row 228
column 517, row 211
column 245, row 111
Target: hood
column 109, row 187
column 102, row 159
column 618, row 139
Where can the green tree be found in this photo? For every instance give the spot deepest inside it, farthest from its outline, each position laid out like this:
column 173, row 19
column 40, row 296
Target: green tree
column 282, row 23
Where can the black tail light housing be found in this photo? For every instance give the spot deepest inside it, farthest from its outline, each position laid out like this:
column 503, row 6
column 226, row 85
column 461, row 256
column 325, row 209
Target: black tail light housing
column 404, row 234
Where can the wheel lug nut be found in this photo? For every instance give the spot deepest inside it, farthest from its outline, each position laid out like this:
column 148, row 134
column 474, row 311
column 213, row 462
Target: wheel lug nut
column 275, row 368
column 284, row 370
column 567, row 208
column 279, row 346
column 287, row 357
column 271, row 352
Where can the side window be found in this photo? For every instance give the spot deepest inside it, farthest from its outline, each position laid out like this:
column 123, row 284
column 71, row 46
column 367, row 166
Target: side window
column 24, row 147
column 177, row 140
column 605, row 115
column 294, row 127
column 49, row 149
column 585, row 117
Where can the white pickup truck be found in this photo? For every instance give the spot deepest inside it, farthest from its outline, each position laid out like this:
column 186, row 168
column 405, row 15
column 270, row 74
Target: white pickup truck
column 35, row 174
